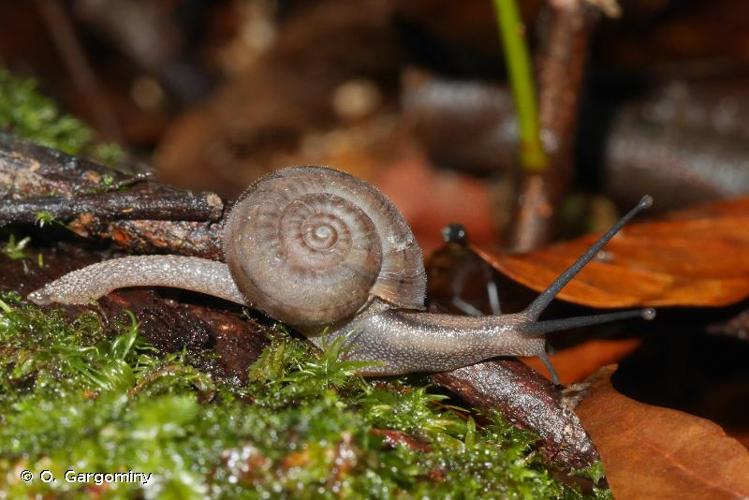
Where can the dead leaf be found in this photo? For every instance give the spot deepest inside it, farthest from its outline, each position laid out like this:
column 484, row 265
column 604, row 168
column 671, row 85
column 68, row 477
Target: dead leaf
column 696, row 257
column 577, row 363
column 443, row 197
column 654, row 452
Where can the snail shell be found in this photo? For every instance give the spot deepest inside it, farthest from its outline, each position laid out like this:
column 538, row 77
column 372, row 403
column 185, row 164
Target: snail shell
column 311, row 246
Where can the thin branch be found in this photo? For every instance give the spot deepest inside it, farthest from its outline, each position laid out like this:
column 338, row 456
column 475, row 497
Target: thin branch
column 129, row 205
column 528, row 401
column 561, row 69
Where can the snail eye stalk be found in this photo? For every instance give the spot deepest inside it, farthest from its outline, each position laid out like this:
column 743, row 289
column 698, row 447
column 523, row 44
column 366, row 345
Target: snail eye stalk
column 535, row 328
column 538, row 306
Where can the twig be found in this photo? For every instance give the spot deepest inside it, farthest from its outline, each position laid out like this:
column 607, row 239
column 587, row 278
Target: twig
column 28, row 170
column 528, row 401
column 37, row 181
column 561, row 69
column 196, row 239
column 131, row 205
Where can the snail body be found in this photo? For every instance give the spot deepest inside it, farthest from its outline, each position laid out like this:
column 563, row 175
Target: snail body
column 398, row 341
column 332, row 256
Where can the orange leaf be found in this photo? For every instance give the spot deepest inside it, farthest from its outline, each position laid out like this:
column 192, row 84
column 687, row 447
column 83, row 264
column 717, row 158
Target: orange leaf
column 698, row 257
column 576, row 363
column 654, row 452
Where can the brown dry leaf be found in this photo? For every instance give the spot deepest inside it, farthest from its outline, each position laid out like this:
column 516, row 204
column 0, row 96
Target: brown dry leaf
column 696, row 257
column 577, row 363
column 430, row 199
column 654, row 452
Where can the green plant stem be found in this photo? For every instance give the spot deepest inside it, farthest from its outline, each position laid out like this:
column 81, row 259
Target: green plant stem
column 533, row 158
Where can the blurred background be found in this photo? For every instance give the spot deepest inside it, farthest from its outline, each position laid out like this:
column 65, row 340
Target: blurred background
column 411, row 96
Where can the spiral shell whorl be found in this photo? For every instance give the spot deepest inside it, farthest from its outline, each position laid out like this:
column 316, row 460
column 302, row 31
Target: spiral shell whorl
column 310, row 245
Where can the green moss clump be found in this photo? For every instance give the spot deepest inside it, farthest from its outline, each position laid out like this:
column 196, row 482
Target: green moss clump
column 15, row 248
column 74, row 395
column 25, row 112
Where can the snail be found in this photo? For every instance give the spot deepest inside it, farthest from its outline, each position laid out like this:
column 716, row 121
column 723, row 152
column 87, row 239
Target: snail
column 330, row 255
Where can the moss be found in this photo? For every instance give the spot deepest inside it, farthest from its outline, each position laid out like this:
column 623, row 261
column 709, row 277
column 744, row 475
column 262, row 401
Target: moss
column 15, row 248
column 74, row 394
column 25, row 112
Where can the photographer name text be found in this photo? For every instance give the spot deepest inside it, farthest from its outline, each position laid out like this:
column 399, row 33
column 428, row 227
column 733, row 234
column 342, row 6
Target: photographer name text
column 98, row 478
